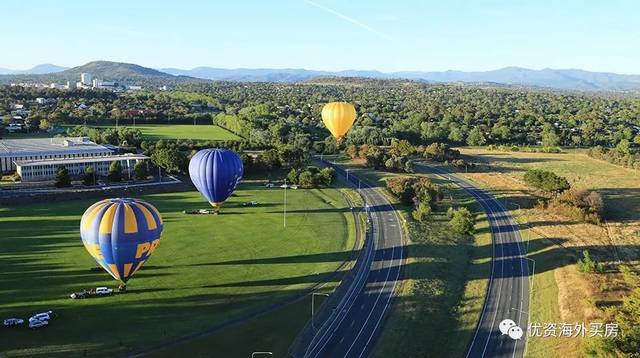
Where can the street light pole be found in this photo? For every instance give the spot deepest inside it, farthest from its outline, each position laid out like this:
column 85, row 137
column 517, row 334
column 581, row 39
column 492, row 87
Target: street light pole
column 284, row 217
column 313, row 295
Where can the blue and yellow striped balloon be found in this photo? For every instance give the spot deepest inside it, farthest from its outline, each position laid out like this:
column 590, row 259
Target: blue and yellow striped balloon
column 121, row 234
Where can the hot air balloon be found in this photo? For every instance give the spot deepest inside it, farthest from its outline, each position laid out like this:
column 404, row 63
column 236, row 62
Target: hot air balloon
column 121, row 234
column 215, row 173
column 338, row 117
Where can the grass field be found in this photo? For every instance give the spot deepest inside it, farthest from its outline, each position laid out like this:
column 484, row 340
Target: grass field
column 561, row 293
column 207, row 271
column 156, row 131
column 444, row 282
column 182, row 131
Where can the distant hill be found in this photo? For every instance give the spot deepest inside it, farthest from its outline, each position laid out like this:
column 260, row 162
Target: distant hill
column 128, row 73
column 36, row 70
column 569, row 79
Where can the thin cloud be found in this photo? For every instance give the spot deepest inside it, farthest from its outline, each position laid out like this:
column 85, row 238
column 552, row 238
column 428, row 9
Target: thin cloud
column 349, row 19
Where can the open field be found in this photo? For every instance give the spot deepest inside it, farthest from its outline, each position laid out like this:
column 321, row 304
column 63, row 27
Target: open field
column 181, row 131
column 561, row 293
column 445, row 280
column 207, row 271
column 155, row 131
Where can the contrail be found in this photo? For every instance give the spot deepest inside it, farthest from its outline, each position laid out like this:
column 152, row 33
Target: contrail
column 349, row 19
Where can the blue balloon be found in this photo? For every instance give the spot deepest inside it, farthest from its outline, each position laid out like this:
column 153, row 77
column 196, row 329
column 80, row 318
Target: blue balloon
column 215, row 173
column 121, row 234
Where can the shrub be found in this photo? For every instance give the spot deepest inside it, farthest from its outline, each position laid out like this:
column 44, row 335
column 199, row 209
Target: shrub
column 462, row 221
column 89, row 176
column 587, row 264
column 140, row 170
column 115, row 172
column 546, row 180
column 62, row 178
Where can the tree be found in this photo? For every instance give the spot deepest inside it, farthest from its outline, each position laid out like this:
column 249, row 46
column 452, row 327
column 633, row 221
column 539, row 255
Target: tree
column 549, row 136
column 305, row 179
column 44, row 125
column 327, row 176
column 170, row 159
column 89, row 176
column 292, row 177
column 62, row 178
column 462, row 221
column 421, row 212
column 546, row 180
column 623, row 147
column 140, row 170
column 476, row 137
column 115, row 172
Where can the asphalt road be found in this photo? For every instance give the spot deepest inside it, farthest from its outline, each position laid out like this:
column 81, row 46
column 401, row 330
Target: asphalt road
column 353, row 331
column 508, row 292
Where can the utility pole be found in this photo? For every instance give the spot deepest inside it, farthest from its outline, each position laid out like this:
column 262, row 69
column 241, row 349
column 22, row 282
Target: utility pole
column 284, row 217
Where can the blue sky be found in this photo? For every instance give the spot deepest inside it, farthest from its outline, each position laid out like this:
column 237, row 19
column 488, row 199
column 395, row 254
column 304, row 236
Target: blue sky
column 325, row 34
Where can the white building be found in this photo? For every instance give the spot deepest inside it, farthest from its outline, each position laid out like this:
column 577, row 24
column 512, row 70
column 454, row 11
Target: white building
column 45, row 170
column 86, row 79
column 13, row 150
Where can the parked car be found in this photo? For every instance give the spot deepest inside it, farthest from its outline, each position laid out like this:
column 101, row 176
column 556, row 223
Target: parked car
column 250, row 203
column 79, row 295
column 44, row 316
column 12, row 322
column 269, row 185
column 103, row 291
column 37, row 324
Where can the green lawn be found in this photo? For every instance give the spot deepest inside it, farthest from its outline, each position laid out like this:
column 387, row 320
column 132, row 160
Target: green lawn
column 182, row 131
column 207, row 271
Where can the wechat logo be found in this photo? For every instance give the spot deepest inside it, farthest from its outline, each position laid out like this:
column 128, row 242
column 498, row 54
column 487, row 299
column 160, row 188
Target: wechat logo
column 510, row 328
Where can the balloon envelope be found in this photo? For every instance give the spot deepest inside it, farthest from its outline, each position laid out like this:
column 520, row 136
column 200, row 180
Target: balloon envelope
column 216, row 173
column 338, row 117
column 121, row 234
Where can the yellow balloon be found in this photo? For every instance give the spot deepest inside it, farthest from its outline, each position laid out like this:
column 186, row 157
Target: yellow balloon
column 338, row 117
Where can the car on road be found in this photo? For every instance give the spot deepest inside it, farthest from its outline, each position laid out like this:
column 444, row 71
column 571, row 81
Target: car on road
column 79, row 295
column 37, row 324
column 103, row 291
column 12, row 322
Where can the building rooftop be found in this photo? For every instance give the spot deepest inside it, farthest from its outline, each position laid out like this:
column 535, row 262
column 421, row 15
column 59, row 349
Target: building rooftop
column 60, row 161
column 10, row 147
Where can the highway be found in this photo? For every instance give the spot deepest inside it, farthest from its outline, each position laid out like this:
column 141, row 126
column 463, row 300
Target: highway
column 356, row 320
column 508, row 289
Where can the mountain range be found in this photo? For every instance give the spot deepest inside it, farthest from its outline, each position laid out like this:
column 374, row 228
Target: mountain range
column 565, row 79
column 569, row 79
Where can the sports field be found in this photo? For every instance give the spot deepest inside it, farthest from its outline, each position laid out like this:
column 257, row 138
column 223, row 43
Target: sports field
column 181, row 131
column 207, row 270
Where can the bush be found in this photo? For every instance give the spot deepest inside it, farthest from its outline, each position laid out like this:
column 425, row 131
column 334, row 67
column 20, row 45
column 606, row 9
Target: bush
column 462, row 221
column 327, row 176
column 89, row 176
column 140, row 170
column 546, row 180
column 115, row 172
column 292, row 177
column 589, row 265
column 62, row 178
column 421, row 212
column 305, row 179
